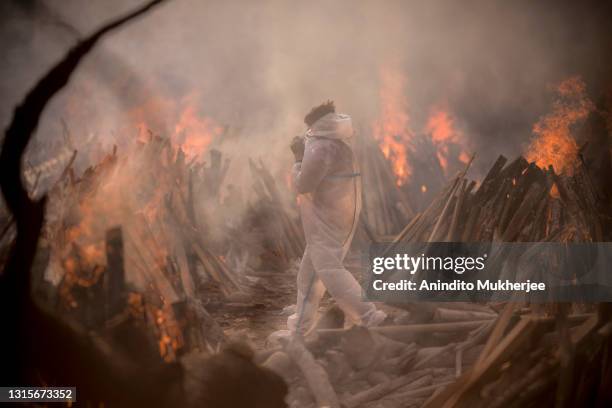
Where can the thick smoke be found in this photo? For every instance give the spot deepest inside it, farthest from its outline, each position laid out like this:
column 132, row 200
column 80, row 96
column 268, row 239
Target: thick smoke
column 258, row 66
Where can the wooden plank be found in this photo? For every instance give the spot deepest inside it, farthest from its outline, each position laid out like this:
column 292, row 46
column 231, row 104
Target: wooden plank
column 498, row 355
column 115, row 272
column 383, row 389
column 316, row 376
column 407, row 332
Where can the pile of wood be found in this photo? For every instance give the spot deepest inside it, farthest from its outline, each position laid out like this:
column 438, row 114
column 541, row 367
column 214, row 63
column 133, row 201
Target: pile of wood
column 388, row 202
column 385, row 205
column 530, row 359
column 404, row 364
column 281, row 233
column 514, row 358
column 516, row 202
column 146, row 272
column 539, row 355
column 143, row 238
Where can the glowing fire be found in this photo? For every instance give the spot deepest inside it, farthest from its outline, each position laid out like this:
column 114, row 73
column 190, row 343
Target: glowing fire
column 440, row 125
column 395, row 138
column 553, row 143
column 391, row 129
column 170, row 337
column 188, row 129
column 141, row 189
column 193, row 132
column 554, row 191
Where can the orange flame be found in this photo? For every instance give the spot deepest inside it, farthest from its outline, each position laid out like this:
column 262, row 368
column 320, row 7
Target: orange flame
column 391, row 129
column 170, row 338
column 189, row 129
column 193, row 132
column 440, row 125
column 553, row 143
column 134, row 189
column 554, row 191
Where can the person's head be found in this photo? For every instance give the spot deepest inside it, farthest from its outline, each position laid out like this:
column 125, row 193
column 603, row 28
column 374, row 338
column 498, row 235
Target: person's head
column 318, row 112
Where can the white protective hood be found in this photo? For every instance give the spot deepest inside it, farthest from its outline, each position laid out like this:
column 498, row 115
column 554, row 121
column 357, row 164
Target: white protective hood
column 332, row 126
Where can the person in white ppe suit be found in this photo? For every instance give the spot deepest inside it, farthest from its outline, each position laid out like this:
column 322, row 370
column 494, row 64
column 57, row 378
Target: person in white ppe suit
column 328, row 182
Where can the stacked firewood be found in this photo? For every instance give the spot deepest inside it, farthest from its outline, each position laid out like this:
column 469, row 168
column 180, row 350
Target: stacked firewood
column 388, row 201
column 540, row 354
column 183, row 245
column 517, row 202
column 530, row 359
column 145, row 272
column 281, row 231
column 385, row 205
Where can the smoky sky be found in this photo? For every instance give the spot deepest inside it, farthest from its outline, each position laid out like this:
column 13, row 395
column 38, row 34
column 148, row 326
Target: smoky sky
column 260, row 65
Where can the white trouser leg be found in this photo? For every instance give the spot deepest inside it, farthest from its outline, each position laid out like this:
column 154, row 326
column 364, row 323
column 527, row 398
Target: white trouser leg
column 340, row 283
column 310, row 290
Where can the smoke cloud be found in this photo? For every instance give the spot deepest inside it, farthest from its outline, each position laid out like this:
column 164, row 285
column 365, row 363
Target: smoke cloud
column 258, row 67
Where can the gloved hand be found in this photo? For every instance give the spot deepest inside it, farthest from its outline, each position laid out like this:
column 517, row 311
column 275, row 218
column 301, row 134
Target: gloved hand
column 297, row 147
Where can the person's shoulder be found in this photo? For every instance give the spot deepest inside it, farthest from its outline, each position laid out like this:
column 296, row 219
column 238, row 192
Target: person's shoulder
column 328, row 145
column 319, row 141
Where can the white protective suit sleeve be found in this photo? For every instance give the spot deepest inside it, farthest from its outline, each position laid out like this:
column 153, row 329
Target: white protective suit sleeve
column 308, row 174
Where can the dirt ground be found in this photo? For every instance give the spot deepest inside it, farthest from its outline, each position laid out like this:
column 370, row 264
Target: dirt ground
column 260, row 313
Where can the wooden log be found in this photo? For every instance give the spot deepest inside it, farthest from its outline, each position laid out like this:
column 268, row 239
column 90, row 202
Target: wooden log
column 538, row 224
column 407, row 333
column 514, row 169
column 523, row 330
column 429, row 216
column 456, row 185
column 493, row 209
column 423, row 391
column 210, row 269
column 444, row 357
column 402, row 234
column 425, row 355
column 383, row 205
column 458, row 362
column 452, row 230
column 381, row 390
column 115, row 272
column 520, row 188
column 467, row 306
column 591, row 198
column 399, row 395
column 490, row 178
column 468, row 233
column 470, row 187
column 445, row 209
column 477, row 336
column 571, row 201
column 501, row 324
column 534, row 195
column 450, row 315
column 397, row 364
column 315, row 375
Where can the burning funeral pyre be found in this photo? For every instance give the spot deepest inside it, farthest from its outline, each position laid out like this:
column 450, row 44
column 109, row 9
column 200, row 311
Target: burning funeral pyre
column 127, row 244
